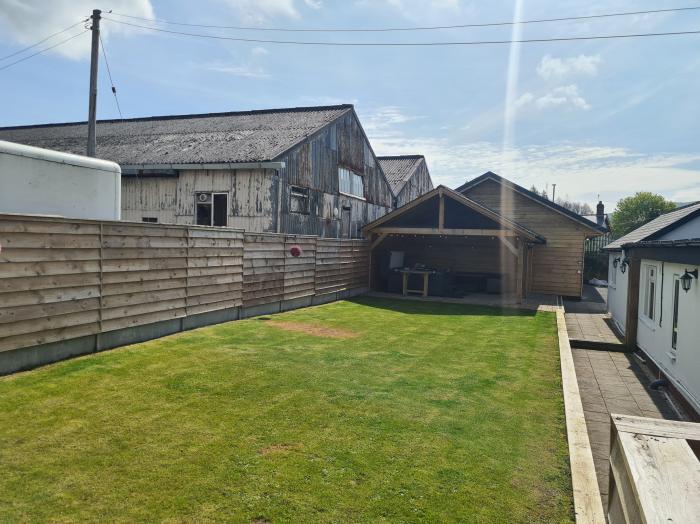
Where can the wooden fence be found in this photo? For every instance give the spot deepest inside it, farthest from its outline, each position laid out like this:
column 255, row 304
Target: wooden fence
column 62, row 279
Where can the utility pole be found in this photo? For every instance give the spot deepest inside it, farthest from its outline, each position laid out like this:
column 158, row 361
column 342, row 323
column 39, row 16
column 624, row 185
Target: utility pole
column 92, row 111
column 554, row 189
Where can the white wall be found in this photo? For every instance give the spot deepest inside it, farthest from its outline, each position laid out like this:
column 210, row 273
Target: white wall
column 617, row 291
column 44, row 182
column 681, row 365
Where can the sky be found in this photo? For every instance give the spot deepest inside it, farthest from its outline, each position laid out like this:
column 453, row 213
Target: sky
column 600, row 119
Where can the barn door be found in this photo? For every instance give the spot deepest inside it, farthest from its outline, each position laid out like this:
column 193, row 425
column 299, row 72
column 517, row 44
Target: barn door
column 345, row 223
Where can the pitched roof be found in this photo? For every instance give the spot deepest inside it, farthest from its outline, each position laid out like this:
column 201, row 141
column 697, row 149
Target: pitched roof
column 244, row 136
column 659, row 225
column 534, row 196
column 476, row 206
column 399, row 169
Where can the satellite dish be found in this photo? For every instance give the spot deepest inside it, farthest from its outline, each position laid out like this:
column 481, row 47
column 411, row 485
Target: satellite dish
column 203, row 197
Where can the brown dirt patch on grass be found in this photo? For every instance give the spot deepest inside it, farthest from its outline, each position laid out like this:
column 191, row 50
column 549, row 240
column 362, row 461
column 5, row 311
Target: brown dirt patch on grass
column 313, row 329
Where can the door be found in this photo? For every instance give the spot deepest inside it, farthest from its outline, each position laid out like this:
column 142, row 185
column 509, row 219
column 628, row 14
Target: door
column 345, row 223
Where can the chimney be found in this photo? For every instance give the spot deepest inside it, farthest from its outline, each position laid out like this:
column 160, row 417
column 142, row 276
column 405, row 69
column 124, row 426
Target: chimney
column 600, row 213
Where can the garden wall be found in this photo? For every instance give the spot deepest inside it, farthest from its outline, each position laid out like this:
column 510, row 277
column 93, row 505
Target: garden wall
column 70, row 287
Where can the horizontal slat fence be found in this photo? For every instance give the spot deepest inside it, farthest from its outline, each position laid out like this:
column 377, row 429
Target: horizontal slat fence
column 62, row 279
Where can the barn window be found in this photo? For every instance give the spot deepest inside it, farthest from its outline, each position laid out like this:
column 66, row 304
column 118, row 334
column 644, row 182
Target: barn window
column 650, row 292
column 151, row 220
column 351, row 183
column 299, row 200
column 211, row 209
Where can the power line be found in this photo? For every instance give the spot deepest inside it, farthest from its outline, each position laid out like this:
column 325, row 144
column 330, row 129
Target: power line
column 419, row 28
column 401, row 44
column 42, row 40
column 111, row 82
column 43, row 50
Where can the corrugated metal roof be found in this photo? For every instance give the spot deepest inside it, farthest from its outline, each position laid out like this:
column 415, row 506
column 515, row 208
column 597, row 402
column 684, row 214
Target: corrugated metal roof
column 247, row 136
column 656, row 226
column 398, row 169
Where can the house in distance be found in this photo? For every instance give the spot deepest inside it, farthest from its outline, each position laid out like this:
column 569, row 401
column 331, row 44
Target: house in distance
column 308, row 170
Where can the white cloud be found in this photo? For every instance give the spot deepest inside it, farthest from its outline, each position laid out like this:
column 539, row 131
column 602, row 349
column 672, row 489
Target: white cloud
column 384, row 119
column 243, row 70
column 558, row 68
column 563, row 96
column 581, row 171
column 259, row 51
column 28, row 21
column 258, row 11
column 314, row 4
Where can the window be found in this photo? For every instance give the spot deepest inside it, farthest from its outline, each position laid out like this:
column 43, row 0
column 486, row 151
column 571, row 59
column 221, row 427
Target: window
column 674, row 325
column 211, row 209
column 299, row 200
column 351, row 183
column 650, row 292
column 152, row 220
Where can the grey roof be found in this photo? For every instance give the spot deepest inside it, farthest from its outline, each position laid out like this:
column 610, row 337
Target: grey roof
column 657, row 226
column 399, row 169
column 246, row 136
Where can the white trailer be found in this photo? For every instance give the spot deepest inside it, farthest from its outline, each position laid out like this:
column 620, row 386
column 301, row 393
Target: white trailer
column 40, row 181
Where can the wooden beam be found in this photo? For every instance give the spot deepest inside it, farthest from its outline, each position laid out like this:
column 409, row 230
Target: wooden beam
column 448, row 232
column 513, row 250
column 377, row 241
column 633, row 274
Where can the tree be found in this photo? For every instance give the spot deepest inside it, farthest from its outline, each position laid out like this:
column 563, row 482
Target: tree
column 635, row 211
column 580, row 208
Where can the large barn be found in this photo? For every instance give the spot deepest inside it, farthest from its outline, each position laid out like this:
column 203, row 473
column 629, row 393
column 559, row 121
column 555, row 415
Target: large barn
column 489, row 236
column 307, row 170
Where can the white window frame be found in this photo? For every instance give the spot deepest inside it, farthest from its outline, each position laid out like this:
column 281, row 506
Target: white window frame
column 650, row 290
column 211, row 203
column 353, row 179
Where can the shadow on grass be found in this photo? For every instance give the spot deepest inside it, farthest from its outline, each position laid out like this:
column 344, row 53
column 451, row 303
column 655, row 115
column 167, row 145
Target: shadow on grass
column 415, row 307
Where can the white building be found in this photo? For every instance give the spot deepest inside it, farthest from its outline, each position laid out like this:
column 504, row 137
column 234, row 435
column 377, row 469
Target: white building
column 654, row 296
column 40, row 181
column 679, row 224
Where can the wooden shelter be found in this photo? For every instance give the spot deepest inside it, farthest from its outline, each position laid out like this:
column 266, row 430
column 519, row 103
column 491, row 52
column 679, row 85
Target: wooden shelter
column 453, row 245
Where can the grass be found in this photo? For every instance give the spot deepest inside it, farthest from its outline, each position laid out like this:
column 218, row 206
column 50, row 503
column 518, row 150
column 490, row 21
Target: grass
column 358, row 411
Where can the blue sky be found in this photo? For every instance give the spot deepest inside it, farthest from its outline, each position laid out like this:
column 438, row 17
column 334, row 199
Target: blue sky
column 598, row 117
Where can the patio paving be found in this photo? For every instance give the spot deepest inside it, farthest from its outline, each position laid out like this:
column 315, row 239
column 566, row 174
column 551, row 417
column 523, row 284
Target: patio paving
column 614, row 382
column 587, row 322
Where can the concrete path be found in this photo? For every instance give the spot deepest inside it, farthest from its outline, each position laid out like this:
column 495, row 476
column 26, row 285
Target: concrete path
column 613, row 382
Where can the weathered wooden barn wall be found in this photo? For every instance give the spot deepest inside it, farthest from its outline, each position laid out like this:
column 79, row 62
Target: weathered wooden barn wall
column 252, row 201
column 62, row 279
column 419, row 184
column 253, row 194
column 314, row 165
column 557, row 266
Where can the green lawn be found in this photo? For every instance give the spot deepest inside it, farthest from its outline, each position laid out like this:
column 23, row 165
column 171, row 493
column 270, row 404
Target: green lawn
column 358, row 411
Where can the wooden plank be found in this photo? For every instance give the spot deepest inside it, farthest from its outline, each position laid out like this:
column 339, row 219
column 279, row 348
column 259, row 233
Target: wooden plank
column 45, row 255
column 48, row 296
column 132, row 299
column 587, row 502
column 657, row 427
column 13, row 224
column 38, row 311
column 48, row 241
column 139, row 320
column 47, row 336
column 32, row 269
column 38, row 325
column 132, row 310
column 445, row 231
column 665, row 474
